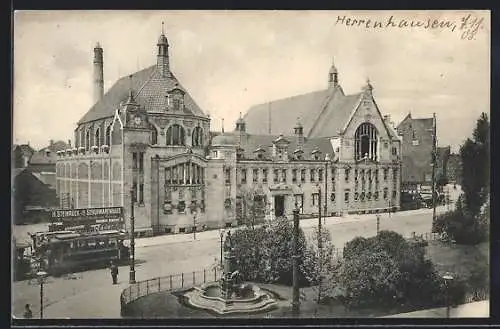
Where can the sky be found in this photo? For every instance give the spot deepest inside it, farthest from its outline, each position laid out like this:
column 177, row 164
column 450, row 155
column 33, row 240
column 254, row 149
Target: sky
column 229, row 61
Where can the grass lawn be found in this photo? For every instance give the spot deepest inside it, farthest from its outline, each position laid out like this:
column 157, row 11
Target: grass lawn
column 460, row 260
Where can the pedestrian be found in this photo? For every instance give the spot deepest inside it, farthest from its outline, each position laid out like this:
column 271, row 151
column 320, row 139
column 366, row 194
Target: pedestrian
column 114, row 272
column 27, row 312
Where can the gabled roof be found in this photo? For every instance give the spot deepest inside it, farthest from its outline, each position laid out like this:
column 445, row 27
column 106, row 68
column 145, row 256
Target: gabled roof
column 284, row 113
column 335, row 115
column 150, row 90
column 25, row 149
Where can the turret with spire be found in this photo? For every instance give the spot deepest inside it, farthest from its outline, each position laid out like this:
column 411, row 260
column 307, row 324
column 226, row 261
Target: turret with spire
column 333, row 79
column 368, row 88
column 162, row 56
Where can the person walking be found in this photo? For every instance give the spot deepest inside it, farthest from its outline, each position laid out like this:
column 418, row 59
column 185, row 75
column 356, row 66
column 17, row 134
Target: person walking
column 28, row 314
column 114, row 272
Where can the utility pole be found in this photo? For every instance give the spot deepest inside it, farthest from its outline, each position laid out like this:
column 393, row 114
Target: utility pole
column 295, row 258
column 433, row 167
column 327, row 158
column 320, row 246
column 132, row 238
column 378, row 223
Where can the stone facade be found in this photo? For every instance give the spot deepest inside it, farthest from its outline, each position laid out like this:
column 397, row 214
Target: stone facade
column 146, row 142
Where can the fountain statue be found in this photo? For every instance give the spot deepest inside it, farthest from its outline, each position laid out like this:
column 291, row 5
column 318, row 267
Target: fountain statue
column 230, row 294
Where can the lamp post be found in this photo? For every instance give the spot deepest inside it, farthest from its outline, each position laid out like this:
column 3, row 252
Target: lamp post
column 41, row 275
column 295, row 258
column 325, row 210
column 221, row 233
column 447, row 279
column 132, row 238
column 194, row 224
column 378, row 223
column 433, row 159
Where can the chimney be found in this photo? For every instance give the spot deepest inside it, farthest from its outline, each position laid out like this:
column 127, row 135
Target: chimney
column 98, row 73
column 51, row 142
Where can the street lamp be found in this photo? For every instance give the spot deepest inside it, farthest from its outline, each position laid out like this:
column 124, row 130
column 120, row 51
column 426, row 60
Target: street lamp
column 132, row 238
column 327, row 161
column 221, row 233
column 378, row 223
column 41, row 275
column 447, row 279
column 295, row 258
column 194, row 224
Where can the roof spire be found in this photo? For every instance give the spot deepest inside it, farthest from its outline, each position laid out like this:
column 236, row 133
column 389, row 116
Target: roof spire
column 333, row 78
column 163, row 28
column 130, row 99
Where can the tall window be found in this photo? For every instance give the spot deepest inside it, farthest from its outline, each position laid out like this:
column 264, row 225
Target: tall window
column 134, row 160
column 313, row 172
column 365, row 142
column 276, row 173
column 320, row 174
column 255, row 175
column 87, row 140
column 294, row 175
column 97, row 137
column 197, row 136
column 264, row 175
column 386, row 192
column 175, row 135
column 243, row 176
column 154, row 135
column 315, row 199
column 227, row 175
column 141, row 194
column 302, row 175
column 283, row 175
column 386, row 173
column 347, row 172
column 108, row 136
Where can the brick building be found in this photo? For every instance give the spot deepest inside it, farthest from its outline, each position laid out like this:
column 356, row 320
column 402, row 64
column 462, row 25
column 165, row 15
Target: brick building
column 416, row 151
column 147, row 135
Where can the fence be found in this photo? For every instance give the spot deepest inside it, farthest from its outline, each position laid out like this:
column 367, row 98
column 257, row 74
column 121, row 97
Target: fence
column 166, row 283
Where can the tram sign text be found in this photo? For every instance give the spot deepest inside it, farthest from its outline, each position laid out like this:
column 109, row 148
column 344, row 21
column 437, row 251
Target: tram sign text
column 89, row 212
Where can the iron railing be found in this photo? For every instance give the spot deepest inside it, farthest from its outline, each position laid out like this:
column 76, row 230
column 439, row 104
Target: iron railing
column 166, row 283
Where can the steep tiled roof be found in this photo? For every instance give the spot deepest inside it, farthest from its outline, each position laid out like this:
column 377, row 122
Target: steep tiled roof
column 284, row 113
column 150, row 89
column 335, row 115
column 25, row 149
column 41, row 157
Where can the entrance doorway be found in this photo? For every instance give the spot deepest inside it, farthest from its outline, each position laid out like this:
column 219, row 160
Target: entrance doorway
column 279, row 205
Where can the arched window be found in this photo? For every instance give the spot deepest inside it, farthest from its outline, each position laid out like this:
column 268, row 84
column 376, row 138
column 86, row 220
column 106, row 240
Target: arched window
column 82, row 138
column 87, row 140
column 197, row 136
column 175, row 135
column 154, row 135
column 96, row 137
column 365, row 142
column 108, row 136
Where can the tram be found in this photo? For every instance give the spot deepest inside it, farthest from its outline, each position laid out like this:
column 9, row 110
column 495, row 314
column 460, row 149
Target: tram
column 68, row 251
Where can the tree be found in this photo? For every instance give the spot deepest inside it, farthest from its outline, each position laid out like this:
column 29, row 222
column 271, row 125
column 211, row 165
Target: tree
column 320, row 266
column 404, row 275
column 369, row 279
column 468, row 223
column 475, row 165
column 265, row 254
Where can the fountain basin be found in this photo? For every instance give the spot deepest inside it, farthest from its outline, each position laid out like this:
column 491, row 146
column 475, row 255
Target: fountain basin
column 206, row 297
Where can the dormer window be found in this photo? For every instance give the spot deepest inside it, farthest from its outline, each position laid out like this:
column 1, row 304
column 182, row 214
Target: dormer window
column 316, row 154
column 260, row 153
column 175, row 99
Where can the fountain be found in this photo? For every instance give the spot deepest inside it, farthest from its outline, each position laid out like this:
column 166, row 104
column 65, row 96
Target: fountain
column 231, row 294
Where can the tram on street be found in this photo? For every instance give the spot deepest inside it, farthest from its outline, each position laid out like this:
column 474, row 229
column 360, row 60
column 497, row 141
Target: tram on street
column 68, row 251
column 80, row 239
